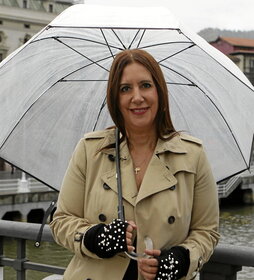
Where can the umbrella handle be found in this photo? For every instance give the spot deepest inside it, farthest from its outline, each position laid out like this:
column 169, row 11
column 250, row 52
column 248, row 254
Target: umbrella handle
column 135, row 256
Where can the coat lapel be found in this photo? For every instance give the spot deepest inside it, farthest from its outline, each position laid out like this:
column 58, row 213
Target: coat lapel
column 157, row 178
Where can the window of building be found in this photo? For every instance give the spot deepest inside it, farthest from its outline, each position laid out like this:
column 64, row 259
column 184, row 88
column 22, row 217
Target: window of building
column 251, row 65
column 51, row 8
column 25, row 4
column 249, row 68
column 26, row 38
column 1, row 160
column 2, row 37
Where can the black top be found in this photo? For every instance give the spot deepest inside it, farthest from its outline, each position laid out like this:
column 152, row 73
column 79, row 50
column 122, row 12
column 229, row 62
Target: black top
column 132, row 271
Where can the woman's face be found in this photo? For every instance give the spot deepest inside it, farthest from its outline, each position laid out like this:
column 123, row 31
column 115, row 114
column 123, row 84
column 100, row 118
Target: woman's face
column 138, row 98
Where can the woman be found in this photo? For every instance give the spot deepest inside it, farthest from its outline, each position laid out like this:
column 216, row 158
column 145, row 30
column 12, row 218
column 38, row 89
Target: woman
column 168, row 189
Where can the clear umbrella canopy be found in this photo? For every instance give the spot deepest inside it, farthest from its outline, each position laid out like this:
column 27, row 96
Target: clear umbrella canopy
column 53, row 88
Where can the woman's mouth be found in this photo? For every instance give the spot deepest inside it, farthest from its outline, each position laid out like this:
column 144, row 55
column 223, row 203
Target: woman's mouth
column 139, row 111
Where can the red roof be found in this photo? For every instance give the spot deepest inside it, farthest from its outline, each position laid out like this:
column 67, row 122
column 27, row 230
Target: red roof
column 243, row 52
column 239, row 42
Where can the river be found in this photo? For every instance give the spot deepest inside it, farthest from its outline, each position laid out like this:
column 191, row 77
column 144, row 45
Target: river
column 236, row 228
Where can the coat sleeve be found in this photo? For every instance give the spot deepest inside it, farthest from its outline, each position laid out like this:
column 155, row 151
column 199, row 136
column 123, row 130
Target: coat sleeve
column 203, row 234
column 68, row 225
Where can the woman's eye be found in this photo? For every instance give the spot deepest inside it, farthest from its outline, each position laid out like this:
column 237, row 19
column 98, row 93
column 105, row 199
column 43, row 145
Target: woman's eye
column 124, row 88
column 146, row 85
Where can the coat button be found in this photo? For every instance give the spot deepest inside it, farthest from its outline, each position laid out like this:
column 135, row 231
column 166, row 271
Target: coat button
column 102, row 218
column 171, row 219
column 111, row 157
column 172, row 188
column 106, row 187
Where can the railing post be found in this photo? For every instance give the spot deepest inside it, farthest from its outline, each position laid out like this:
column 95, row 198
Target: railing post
column 1, row 256
column 21, row 258
column 219, row 271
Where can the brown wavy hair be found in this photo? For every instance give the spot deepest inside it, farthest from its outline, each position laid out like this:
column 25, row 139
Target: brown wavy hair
column 164, row 125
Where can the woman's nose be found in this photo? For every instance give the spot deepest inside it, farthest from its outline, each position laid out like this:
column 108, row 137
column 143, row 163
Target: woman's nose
column 137, row 96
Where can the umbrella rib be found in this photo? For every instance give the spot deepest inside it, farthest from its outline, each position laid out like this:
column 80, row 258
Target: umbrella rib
column 98, row 115
column 180, row 84
column 177, row 53
column 94, row 62
column 107, row 42
column 105, row 58
column 134, row 39
column 62, row 81
column 74, row 38
column 168, row 43
column 118, row 38
column 141, row 38
column 191, row 83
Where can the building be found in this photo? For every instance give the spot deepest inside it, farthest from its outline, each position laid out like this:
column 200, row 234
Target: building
column 21, row 19
column 239, row 50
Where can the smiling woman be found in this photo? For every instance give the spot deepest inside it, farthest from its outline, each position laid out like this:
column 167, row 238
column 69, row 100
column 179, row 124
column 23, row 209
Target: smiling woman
column 168, row 190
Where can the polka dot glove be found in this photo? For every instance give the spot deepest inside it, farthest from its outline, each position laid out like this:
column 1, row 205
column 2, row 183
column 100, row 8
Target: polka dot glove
column 107, row 240
column 173, row 264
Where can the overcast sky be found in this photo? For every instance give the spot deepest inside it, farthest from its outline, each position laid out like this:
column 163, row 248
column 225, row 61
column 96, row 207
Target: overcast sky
column 224, row 14
column 200, row 14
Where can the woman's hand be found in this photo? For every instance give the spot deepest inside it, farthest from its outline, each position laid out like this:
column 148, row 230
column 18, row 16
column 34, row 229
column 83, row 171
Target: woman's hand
column 129, row 233
column 148, row 267
column 106, row 240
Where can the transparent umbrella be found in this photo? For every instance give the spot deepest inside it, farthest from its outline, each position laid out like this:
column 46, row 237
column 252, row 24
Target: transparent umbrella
column 53, row 88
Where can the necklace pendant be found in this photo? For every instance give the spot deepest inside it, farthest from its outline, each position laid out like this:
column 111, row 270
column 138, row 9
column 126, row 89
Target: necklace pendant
column 137, row 169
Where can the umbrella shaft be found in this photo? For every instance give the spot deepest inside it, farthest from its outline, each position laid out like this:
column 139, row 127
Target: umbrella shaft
column 120, row 208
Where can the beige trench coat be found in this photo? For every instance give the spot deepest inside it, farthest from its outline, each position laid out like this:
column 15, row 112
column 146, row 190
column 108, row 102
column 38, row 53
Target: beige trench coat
column 177, row 203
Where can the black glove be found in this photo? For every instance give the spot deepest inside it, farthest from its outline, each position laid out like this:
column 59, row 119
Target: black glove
column 107, row 240
column 173, row 264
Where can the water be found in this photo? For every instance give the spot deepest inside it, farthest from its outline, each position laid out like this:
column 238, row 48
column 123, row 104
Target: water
column 236, row 228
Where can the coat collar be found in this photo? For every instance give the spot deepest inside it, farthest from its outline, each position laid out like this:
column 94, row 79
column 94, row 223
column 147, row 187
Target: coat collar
column 174, row 145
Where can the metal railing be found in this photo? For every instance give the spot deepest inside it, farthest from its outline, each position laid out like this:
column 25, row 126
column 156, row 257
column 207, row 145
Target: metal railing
column 226, row 261
column 224, row 264
column 23, row 232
